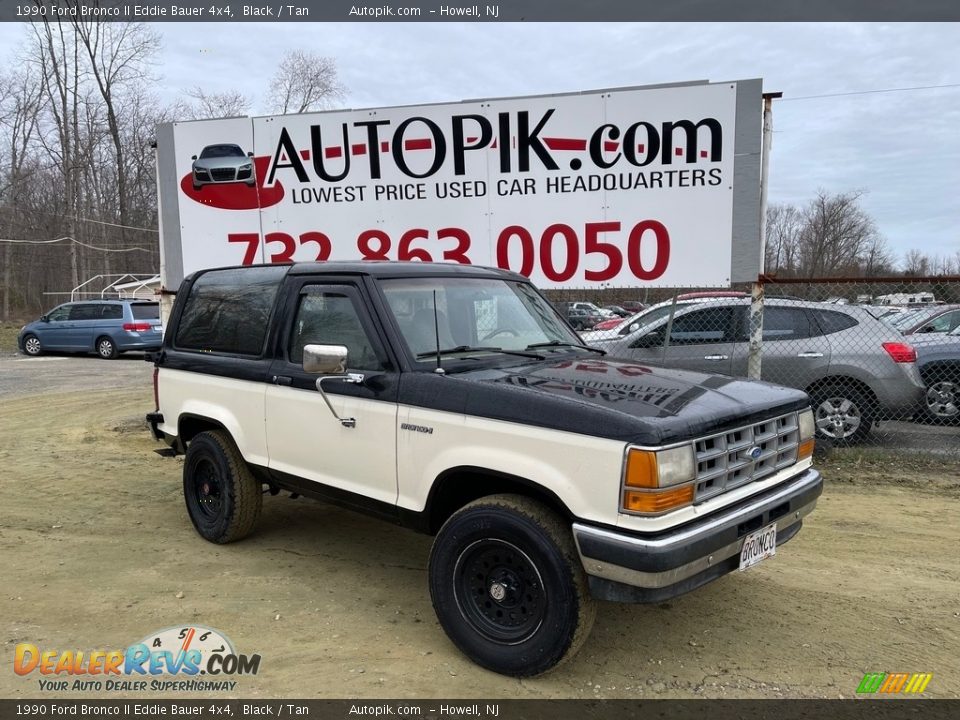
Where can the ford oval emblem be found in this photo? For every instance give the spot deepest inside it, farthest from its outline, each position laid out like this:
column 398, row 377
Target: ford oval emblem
column 755, row 453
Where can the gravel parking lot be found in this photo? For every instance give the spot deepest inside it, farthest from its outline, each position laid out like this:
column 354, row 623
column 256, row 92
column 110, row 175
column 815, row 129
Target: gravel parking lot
column 97, row 552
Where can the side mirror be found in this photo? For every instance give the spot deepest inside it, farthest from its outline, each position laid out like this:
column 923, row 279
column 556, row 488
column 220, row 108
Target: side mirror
column 44, row 318
column 193, row 157
column 325, row 359
column 330, row 362
column 249, row 154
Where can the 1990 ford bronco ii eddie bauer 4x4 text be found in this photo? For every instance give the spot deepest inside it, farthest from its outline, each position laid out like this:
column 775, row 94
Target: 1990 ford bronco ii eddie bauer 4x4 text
column 456, row 401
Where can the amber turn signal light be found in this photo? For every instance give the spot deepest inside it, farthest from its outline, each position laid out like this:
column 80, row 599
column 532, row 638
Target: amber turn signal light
column 805, row 450
column 657, row 502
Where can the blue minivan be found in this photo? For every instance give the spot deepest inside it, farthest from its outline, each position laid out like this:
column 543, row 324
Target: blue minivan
column 104, row 327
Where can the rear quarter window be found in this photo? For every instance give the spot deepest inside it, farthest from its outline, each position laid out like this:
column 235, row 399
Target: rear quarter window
column 831, row 321
column 227, row 311
column 145, row 311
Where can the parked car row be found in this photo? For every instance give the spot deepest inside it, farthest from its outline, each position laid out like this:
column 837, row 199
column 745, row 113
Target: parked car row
column 858, row 369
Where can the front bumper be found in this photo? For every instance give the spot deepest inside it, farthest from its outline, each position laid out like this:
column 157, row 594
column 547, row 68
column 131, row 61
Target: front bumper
column 651, row 568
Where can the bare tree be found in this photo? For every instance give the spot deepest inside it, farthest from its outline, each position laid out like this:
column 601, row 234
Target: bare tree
column 916, row 263
column 56, row 55
column 836, row 236
column 230, row 103
column 304, row 81
column 118, row 54
column 784, row 224
column 19, row 110
column 877, row 258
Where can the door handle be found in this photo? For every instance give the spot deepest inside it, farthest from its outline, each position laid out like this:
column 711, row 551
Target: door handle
column 716, row 357
column 281, row 380
column 810, row 354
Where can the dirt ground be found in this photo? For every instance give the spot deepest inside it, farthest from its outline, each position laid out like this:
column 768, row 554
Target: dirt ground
column 96, row 551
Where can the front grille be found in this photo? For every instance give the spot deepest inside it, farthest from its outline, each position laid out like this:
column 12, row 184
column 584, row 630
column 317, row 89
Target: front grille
column 724, row 460
column 223, row 174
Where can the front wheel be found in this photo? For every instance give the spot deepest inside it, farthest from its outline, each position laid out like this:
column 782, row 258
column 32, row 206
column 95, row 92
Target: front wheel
column 942, row 398
column 222, row 495
column 31, row 345
column 508, row 586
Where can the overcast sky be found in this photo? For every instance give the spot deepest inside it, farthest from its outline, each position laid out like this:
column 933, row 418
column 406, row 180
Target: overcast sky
column 902, row 149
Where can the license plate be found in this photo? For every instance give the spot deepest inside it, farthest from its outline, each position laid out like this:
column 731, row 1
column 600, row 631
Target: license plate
column 758, row 546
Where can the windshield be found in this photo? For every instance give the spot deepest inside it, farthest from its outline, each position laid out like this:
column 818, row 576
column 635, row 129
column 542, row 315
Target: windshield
column 214, row 151
column 912, row 316
column 473, row 316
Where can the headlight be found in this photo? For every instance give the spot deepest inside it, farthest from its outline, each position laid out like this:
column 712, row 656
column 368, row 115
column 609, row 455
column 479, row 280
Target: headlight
column 807, row 428
column 248, row 166
column 656, row 481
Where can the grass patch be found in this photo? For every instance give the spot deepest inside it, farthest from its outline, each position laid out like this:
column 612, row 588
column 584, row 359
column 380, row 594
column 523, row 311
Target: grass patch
column 8, row 337
column 889, row 466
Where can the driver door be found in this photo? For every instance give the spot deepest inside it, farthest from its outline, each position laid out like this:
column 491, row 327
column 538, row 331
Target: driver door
column 305, row 442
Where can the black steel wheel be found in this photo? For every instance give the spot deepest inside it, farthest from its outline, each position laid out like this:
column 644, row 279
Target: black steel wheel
column 223, row 497
column 508, row 586
column 500, row 590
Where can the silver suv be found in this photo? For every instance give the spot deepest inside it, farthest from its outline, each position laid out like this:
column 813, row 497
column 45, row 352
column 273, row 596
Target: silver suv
column 856, row 369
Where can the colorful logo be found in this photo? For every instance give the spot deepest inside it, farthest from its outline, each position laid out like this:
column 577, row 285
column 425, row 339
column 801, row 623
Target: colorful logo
column 189, row 651
column 893, row 683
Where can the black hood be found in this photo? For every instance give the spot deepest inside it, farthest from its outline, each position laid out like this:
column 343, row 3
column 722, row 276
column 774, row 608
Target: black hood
column 616, row 399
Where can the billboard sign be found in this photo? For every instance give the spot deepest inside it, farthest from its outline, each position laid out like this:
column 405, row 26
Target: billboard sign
column 619, row 188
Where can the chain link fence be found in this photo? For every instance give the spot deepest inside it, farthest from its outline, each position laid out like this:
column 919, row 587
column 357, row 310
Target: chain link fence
column 880, row 359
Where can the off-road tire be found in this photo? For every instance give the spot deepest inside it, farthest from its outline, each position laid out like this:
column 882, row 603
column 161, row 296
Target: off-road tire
column 223, row 497
column 508, row 586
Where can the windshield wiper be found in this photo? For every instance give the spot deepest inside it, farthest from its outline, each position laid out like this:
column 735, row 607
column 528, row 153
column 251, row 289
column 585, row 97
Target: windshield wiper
column 471, row 348
column 560, row 343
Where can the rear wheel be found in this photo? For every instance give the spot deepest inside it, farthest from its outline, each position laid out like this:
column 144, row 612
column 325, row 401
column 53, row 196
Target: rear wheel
column 508, row 586
column 31, row 345
column 843, row 413
column 222, row 495
column 106, row 348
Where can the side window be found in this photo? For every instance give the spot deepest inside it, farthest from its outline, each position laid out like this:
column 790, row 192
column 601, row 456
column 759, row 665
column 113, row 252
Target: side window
column 85, row 312
column 784, row 323
column 943, row 323
column 111, row 312
column 713, row 325
column 60, row 314
column 228, row 311
column 831, row 321
column 330, row 318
